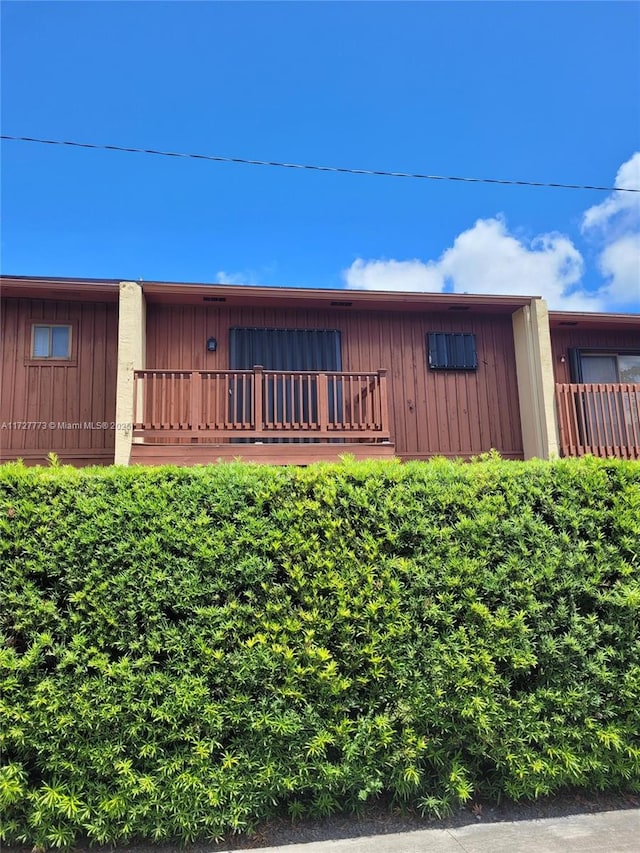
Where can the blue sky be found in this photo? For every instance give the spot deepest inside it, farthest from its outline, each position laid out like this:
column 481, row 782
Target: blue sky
column 539, row 91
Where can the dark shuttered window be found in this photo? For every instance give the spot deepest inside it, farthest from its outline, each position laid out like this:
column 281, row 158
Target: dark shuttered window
column 285, row 349
column 452, row 351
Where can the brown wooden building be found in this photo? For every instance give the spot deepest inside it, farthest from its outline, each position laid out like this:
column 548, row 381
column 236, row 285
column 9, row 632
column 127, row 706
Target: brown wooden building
column 97, row 371
column 59, row 352
column 596, row 360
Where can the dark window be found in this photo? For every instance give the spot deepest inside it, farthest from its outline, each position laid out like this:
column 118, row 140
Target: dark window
column 593, row 366
column 452, row 351
column 285, row 349
column 285, row 398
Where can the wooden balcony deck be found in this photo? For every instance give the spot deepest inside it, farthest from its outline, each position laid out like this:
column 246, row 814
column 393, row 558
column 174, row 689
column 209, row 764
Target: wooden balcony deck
column 281, row 417
column 600, row 419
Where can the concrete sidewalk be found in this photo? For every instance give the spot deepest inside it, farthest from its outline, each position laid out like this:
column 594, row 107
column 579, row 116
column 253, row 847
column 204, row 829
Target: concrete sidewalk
column 605, row 832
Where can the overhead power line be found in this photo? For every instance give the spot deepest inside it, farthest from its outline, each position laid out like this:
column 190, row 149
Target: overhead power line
column 312, row 168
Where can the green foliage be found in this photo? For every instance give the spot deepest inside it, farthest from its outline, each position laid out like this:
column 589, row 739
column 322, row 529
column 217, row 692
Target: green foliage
column 185, row 652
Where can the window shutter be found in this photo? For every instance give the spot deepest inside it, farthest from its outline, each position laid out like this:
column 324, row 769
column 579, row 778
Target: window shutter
column 285, row 349
column 452, row 351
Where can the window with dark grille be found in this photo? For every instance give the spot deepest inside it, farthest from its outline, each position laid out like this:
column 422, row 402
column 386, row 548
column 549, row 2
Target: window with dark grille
column 283, row 352
column 285, row 349
column 452, row 351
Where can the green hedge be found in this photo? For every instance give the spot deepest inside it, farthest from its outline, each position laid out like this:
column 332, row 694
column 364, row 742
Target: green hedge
column 185, row 652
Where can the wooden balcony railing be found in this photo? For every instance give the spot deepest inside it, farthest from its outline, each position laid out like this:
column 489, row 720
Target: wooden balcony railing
column 259, row 405
column 600, row 419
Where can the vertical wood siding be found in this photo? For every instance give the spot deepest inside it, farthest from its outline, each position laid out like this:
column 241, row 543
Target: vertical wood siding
column 453, row 413
column 82, row 391
column 563, row 339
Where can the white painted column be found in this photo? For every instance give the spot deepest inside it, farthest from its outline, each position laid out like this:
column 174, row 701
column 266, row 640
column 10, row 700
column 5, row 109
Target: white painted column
column 132, row 335
column 536, row 382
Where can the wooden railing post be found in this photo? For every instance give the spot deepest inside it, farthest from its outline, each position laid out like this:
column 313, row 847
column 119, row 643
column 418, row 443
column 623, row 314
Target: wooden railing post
column 384, row 405
column 140, row 399
column 562, row 403
column 196, row 403
column 323, row 402
column 621, row 420
column 137, row 386
column 632, row 396
column 258, row 404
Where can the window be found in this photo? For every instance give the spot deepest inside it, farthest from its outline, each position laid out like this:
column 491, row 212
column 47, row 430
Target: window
column 629, row 368
column 50, row 342
column 599, row 368
column 604, row 367
column 286, row 399
column 452, row 351
column 285, row 349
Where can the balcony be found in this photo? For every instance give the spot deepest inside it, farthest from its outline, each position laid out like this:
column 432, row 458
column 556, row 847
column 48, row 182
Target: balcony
column 600, row 419
column 269, row 415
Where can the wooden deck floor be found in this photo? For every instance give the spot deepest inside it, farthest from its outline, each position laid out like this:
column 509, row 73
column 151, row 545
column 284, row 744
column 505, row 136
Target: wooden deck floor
column 268, row 454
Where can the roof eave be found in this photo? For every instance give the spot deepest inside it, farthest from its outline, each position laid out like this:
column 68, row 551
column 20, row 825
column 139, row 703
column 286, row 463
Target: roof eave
column 34, row 287
column 374, row 299
column 588, row 319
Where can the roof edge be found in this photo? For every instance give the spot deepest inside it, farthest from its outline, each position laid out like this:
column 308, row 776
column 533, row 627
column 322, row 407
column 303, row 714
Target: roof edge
column 56, row 281
column 395, row 298
column 559, row 317
column 340, row 294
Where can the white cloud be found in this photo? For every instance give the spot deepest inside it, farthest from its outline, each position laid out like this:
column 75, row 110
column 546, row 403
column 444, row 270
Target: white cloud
column 621, row 210
column 615, row 225
column 256, row 277
column 488, row 259
column 620, row 264
column 394, row 275
column 223, row 277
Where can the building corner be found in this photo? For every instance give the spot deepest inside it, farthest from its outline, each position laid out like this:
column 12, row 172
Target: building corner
column 536, row 383
column 131, row 357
